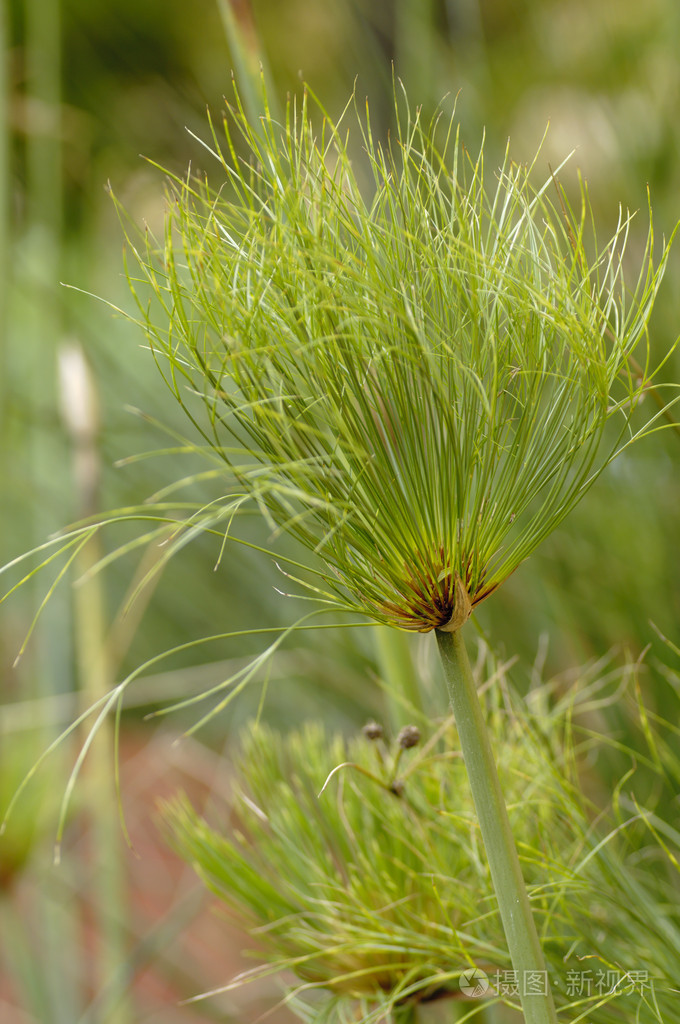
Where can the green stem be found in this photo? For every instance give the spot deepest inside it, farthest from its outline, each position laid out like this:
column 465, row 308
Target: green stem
column 95, row 670
column 513, row 903
column 406, row 1014
column 5, row 148
column 403, row 698
column 247, row 54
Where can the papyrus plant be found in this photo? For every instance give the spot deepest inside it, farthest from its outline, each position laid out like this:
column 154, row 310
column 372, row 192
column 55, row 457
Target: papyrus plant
column 417, row 376
column 413, row 366
column 376, row 891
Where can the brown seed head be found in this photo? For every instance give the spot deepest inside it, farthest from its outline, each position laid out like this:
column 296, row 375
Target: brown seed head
column 373, row 731
column 409, row 736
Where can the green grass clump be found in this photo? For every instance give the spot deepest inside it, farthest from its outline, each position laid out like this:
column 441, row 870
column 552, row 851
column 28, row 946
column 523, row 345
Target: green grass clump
column 380, row 893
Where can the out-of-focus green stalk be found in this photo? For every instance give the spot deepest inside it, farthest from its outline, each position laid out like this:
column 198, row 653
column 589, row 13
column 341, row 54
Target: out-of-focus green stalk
column 108, row 891
column 5, row 242
column 248, row 57
column 41, row 310
column 403, row 699
column 415, row 35
column 34, row 367
column 108, row 888
column 407, row 1014
column 43, row 150
column 5, row 145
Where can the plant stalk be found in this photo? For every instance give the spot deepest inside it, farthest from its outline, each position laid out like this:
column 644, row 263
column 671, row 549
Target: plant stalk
column 108, row 893
column 248, row 56
column 403, row 697
column 406, row 1014
column 5, row 239
column 513, row 903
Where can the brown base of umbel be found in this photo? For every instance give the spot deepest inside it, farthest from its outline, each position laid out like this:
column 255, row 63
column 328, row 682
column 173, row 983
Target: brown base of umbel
column 462, row 608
